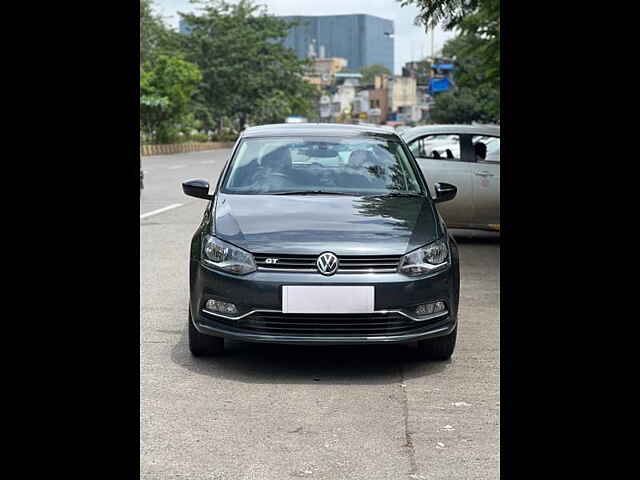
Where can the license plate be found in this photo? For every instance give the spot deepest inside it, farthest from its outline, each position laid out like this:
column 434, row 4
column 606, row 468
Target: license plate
column 327, row 299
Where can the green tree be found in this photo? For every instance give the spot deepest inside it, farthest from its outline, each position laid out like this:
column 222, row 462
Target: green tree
column 155, row 37
column 371, row 71
column 478, row 19
column 467, row 105
column 248, row 75
column 165, row 85
column 167, row 88
column 147, row 25
column 477, row 97
column 449, row 13
column 477, row 56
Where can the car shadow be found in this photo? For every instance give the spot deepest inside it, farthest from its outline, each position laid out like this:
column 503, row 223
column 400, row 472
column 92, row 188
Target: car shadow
column 297, row 364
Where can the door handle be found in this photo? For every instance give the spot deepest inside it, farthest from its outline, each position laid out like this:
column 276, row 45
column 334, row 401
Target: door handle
column 484, row 174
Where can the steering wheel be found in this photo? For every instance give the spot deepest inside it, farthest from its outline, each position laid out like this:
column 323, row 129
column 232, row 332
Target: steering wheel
column 271, row 181
column 326, row 179
column 261, row 175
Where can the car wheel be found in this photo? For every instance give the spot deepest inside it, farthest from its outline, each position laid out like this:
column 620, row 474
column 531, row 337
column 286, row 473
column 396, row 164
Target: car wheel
column 203, row 345
column 439, row 348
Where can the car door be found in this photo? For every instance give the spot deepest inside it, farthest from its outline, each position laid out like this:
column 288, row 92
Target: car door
column 486, row 184
column 439, row 157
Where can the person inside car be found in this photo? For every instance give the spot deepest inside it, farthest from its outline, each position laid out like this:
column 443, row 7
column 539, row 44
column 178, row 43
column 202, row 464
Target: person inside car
column 481, row 151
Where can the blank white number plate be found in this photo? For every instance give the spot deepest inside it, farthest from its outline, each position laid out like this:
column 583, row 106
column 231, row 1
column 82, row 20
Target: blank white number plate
column 327, row 299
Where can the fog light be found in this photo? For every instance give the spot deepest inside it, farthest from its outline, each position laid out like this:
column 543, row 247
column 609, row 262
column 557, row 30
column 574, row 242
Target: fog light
column 424, row 309
column 221, row 307
column 430, row 308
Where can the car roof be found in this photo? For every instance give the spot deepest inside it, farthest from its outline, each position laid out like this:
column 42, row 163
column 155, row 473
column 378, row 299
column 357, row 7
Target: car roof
column 320, row 130
column 491, row 130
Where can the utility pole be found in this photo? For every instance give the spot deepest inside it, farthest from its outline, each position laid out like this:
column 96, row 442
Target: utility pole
column 433, row 34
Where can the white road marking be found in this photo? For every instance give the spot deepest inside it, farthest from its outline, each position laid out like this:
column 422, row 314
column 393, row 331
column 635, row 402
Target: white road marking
column 160, row 210
column 175, row 167
column 208, row 161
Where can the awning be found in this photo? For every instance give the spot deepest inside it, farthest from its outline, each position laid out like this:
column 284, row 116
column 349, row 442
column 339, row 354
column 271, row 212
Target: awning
column 438, row 85
column 443, row 66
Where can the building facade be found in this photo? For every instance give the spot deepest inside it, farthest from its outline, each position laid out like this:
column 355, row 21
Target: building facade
column 361, row 39
column 342, row 100
column 402, row 92
column 323, row 70
column 329, row 66
column 379, row 100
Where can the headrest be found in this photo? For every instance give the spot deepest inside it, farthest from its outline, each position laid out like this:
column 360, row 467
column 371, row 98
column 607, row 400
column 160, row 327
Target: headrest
column 360, row 158
column 278, row 159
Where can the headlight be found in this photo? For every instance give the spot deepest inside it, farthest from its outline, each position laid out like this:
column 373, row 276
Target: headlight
column 425, row 259
column 226, row 257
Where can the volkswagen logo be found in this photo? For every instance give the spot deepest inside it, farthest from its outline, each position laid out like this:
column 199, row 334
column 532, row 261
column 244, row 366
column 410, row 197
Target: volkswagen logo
column 327, row 263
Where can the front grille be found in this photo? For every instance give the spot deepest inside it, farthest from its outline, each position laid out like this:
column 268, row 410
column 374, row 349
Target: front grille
column 347, row 263
column 369, row 324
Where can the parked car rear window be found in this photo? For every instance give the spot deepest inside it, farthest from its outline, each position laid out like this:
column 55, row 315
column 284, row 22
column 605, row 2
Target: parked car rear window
column 352, row 166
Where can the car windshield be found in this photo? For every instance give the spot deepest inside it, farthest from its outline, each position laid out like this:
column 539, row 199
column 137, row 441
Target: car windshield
column 314, row 165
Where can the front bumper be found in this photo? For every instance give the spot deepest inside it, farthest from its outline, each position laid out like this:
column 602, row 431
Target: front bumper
column 259, row 299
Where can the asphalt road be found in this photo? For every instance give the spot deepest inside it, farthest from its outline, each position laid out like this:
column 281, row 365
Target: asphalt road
column 275, row 412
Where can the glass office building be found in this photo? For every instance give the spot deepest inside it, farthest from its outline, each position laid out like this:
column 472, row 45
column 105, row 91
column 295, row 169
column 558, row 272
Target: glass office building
column 362, row 39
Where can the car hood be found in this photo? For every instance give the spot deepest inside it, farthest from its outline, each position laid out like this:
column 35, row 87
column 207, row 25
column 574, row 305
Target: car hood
column 312, row 224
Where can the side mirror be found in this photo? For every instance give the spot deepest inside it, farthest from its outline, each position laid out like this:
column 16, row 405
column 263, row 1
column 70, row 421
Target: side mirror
column 445, row 192
column 197, row 188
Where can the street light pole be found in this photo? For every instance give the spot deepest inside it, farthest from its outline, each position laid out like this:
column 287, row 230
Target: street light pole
column 433, row 34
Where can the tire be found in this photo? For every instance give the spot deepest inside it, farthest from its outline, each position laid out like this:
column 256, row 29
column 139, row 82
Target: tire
column 439, row 348
column 202, row 345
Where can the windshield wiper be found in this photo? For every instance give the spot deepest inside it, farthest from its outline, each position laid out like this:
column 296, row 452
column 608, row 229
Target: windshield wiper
column 397, row 194
column 310, row 192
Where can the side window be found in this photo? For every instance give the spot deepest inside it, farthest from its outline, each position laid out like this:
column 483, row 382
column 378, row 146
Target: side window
column 439, row 147
column 486, row 148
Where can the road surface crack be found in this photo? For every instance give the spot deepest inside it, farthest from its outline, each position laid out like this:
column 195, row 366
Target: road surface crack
column 411, row 453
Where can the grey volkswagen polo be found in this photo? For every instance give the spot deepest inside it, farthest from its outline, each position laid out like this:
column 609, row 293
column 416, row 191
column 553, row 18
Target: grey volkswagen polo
column 322, row 234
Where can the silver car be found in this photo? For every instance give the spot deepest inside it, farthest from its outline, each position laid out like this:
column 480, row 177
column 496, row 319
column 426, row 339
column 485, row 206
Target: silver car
column 467, row 156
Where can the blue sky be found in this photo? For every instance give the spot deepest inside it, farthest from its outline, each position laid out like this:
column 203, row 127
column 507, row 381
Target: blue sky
column 411, row 42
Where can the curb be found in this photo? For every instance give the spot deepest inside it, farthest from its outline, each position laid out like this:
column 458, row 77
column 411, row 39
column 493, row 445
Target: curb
column 146, row 150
